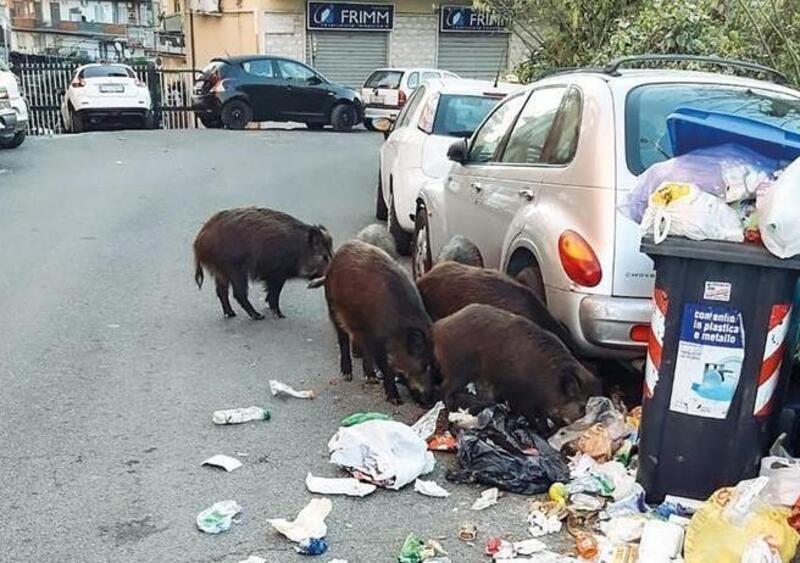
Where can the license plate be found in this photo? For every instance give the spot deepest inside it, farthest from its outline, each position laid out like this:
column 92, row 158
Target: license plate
column 112, row 88
column 378, row 99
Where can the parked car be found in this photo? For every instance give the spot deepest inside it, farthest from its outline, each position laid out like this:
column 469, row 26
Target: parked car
column 538, row 184
column 13, row 110
column 416, row 149
column 107, row 94
column 234, row 91
column 386, row 90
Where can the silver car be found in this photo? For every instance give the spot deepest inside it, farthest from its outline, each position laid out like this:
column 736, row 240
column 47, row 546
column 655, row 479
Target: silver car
column 537, row 187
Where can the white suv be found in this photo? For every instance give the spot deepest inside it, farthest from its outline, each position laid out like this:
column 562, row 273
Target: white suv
column 13, row 110
column 538, row 184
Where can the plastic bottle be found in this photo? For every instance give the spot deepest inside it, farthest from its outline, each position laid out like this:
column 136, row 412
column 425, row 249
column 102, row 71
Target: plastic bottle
column 237, row 416
column 586, row 545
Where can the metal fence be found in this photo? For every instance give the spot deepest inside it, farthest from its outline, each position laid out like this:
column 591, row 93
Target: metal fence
column 44, row 83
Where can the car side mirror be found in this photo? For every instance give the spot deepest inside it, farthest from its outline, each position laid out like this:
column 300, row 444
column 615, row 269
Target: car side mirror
column 458, row 151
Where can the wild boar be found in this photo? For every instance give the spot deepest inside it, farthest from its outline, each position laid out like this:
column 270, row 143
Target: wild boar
column 378, row 235
column 373, row 302
column 238, row 245
column 506, row 357
column 462, row 250
column 450, row 286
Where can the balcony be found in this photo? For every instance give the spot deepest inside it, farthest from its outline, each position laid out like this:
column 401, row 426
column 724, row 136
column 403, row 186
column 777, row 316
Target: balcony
column 70, row 27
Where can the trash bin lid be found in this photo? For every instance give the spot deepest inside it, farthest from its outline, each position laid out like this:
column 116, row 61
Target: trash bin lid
column 718, row 251
column 692, row 128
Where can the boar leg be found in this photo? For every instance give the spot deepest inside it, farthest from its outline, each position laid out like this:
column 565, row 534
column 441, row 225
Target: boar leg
column 367, row 363
column 345, row 363
column 274, row 288
column 239, row 281
column 389, row 385
column 223, row 288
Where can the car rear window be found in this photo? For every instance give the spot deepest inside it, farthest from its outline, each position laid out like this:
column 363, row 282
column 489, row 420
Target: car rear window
column 647, row 107
column 384, row 79
column 458, row 115
column 109, row 71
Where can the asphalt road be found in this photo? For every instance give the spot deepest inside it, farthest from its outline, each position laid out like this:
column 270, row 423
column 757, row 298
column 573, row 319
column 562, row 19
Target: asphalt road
column 111, row 361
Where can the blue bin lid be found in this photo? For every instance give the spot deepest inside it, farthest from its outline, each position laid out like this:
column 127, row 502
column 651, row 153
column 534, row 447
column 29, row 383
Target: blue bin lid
column 692, row 128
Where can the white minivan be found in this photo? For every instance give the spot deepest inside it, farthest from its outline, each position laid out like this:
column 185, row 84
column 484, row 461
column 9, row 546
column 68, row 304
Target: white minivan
column 13, row 110
column 538, row 184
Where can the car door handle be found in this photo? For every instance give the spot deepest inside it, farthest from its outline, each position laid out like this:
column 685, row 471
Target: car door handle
column 526, row 194
column 476, row 187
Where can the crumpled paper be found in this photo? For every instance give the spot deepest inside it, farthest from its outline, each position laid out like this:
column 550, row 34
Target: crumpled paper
column 310, row 522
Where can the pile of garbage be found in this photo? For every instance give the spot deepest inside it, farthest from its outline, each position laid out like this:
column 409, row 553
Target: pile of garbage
column 727, row 192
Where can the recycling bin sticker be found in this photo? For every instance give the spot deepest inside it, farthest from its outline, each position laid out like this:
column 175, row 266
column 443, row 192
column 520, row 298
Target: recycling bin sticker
column 709, row 360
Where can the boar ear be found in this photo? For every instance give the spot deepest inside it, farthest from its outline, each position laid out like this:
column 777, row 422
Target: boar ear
column 416, row 342
column 315, row 237
column 570, row 385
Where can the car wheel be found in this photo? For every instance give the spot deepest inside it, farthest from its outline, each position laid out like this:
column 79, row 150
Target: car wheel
column 315, row 126
column 76, row 121
column 531, row 277
column 368, row 125
column 381, row 213
column 236, row 114
column 343, row 117
column 13, row 142
column 402, row 239
column 210, row 121
column 421, row 260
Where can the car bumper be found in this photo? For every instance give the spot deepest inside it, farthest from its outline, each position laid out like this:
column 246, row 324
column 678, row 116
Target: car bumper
column 600, row 324
column 206, row 104
column 371, row 112
column 9, row 125
column 95, row 114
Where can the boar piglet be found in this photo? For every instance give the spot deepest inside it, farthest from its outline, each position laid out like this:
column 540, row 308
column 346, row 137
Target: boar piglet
column 450, row 286
column 506, row 357
column 373, row 301
column 462, row 250
column 238, row 245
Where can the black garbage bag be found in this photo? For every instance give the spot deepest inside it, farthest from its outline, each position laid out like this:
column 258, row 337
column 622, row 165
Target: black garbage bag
column 503, row 451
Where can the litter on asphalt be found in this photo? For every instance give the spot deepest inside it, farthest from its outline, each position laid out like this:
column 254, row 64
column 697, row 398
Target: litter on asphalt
column 218, row 517
column 430, row 489
column 277, row 388
column 225, row 462
column 359, row 417
column 338, row 486
column 312, row 546
column 488, row 498
column 309, row 523
column 240, row 415
column 425, row 427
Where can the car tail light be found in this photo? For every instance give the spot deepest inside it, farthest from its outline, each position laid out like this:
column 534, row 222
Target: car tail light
column 578, row 259
column 78, row 83
column 640, row 333
column 401, row 99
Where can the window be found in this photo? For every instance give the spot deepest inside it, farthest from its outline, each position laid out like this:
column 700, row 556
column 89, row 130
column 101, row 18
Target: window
column 527, row 140
column 107, row 71
column 384, row 79
column 413, row 80
column 647, row 108
column 259, row 67
column 563, row 141
column 411, row 106
column 459, row 115
column 488, row 137
column 430, row 76
column 291, row 70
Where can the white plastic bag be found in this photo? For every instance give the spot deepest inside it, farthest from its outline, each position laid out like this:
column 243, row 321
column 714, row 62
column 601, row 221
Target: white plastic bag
column 385, row 452
column 687, row 211
column 784, row 480
column 778, row 212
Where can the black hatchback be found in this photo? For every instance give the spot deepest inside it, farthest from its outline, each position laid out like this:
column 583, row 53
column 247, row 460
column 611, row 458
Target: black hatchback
column 234, row 91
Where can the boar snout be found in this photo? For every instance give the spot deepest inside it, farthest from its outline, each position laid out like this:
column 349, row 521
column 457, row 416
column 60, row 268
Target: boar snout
column 320, row 252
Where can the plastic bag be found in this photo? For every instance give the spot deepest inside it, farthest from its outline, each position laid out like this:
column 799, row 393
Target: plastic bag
column 384, row 452
column 778, row 210
column 731, row 172
column 784, row 480
column 599, row 410
column 710, row 537
column 218, row 517
column 502, row 451
column 685, row 210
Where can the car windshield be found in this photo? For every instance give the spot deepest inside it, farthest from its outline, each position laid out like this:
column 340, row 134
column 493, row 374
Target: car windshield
column 110, row 71
column 458, row 115
column 647, row 108
column 384, row 79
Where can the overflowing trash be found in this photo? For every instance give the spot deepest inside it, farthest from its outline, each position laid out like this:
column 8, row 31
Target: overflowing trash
column 425, row 427
column 414, row 550
column 778, row 207
column 338, row 486
column 219, row 517
column 281, row 389
column 430, row 489
column 359, row 417
column 387, row 453
column 240, row 415
column 312, row 546
column 309, row 523
column 488, row 498
column 225, row 462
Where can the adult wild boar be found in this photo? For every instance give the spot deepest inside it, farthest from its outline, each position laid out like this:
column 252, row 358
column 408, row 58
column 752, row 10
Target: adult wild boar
column 238, row 245
column 509, row 358
column 373, row 301
column 450, row 286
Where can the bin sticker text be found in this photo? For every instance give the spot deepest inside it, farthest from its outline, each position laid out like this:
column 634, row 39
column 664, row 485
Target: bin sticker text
column 717, row 291
column 709, row 360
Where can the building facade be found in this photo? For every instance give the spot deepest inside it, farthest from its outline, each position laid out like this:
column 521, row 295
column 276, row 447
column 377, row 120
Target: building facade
column 347, row 40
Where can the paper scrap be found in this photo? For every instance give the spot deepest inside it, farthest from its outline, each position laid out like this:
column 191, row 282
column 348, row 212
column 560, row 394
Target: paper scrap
column 278, row 388
column 339, row 486
column 226, row 462
column 488, row 498
column 430, row 489
column 310, row 522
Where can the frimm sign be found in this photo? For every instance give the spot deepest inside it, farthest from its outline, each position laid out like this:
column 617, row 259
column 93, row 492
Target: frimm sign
column 463, row 18
column 350, row 16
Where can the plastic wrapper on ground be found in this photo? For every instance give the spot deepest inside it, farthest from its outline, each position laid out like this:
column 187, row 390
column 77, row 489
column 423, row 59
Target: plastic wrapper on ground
column 599, row 410
column 310, row 522
column 219, row 517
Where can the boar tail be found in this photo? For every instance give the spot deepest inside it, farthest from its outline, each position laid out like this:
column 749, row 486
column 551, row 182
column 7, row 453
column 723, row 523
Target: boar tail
column 314, row 284
column 198, row 276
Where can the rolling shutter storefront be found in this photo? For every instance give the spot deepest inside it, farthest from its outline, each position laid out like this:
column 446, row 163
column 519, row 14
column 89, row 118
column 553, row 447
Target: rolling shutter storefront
column 348, row 57
column 473, row 55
